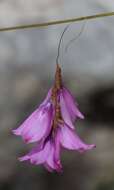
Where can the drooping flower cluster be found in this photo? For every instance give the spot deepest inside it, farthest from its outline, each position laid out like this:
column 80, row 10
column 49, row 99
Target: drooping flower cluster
column 51, row 127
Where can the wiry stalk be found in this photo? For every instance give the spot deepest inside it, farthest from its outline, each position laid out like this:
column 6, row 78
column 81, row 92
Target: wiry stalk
column 45, row 24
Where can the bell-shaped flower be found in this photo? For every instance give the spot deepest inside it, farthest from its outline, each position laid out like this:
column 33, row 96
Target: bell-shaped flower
column 47, row 153
column 38, row 124
column 69, row 108
column 70, row 140
column 51, row 125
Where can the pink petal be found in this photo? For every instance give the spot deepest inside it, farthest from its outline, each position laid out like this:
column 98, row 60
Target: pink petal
column 24, row 158
column 19, row 130
column 40, row 128
column 65, row 112
column 47, row 99
column 53, row 160
column 50, row 157
column 41, row 156
column 44, row 154
column 72, row 106
column 38, row 155
column 57, row 151
column 56, row 168
column 35, row 150
column 70, row 140
column 57, row 147
column 37, row 126
column 33, row 116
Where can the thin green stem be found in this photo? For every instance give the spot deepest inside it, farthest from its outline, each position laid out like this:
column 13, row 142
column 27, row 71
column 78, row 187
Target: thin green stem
column 39, row 25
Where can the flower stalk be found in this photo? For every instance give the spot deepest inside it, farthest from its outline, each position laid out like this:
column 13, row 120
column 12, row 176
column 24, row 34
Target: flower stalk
column 66, row 21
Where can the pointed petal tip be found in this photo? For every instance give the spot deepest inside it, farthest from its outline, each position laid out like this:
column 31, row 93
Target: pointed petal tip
column 23, row 158
column 89, row 147
column 93, row 146
column 16, row 132
column 81, row 116
column 78, row 113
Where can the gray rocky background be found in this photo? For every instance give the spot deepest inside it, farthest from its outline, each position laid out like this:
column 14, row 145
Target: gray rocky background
column 27, row 65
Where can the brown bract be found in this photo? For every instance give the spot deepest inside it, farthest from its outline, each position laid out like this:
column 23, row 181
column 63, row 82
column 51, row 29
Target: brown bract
column 57, row 86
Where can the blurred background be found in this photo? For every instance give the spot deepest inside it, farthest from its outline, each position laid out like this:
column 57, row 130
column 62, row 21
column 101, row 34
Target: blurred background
column 27, row 66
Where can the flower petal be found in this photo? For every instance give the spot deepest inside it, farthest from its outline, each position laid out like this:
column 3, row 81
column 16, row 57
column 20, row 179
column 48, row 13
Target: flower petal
column 29, row 120
column 72, row 106
column 35, row 150
column 70, row 140
column 41, row 156
column 57, row 146
column 53, row 161
column 44, row 153
column 38, row 155
column 37, row 126
column 47, row 99
column 57, row 150
column 65, row 113
column 34, row 115
column 50, row 157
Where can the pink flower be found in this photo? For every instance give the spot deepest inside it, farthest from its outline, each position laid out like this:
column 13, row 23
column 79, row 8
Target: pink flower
column 38, row 124
column 70, row 140
column 69, row 109
column 51, row 126
column 46, row 153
